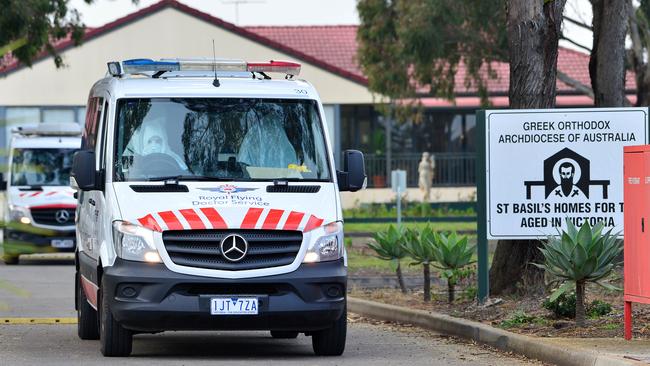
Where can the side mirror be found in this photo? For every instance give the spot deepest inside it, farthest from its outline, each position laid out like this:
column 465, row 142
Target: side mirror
column 83, row 174
column 353, row 176
column 3, row 182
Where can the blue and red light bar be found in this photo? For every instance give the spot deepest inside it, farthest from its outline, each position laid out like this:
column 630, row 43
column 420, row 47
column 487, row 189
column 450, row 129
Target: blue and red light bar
column 143, row 65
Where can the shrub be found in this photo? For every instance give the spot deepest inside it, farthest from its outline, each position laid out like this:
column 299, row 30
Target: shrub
column 599, row 308
column 580, row 256
column 564, row 306
column 389, row 246
column 451, row 254
column 419, row 246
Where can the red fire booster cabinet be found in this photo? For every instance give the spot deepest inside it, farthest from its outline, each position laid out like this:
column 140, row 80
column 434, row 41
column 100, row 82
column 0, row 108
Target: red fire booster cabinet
column 636, row 209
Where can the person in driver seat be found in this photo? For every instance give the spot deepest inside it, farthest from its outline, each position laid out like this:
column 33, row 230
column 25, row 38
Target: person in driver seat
column 154, row 140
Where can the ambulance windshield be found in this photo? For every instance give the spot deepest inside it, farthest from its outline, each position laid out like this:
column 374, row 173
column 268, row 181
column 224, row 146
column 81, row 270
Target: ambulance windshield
column 41, row 167
column 220, row 138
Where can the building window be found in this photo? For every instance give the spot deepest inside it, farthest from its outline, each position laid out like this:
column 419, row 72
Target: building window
column 59, row 115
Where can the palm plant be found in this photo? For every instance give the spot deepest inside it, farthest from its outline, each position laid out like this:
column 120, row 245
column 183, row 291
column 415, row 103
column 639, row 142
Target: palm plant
column 388, row 246
column 419, row 246
column 578, row 257
column 451, row 254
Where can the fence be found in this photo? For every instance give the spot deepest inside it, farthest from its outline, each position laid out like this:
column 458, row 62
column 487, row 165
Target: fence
column 452, row 169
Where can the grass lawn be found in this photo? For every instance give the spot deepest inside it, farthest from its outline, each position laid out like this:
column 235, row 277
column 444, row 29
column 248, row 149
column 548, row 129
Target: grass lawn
column 439, row 226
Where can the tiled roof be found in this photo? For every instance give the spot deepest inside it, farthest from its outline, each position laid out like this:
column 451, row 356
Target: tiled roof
column 333, row 48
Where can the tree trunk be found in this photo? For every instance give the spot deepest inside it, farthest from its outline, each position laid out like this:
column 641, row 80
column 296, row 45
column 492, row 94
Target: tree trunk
column 639, row 29
column 427, row 282
column 580, row 303
column 400, row 277
column 607, row 61
column 533, row 35
column 451, row 291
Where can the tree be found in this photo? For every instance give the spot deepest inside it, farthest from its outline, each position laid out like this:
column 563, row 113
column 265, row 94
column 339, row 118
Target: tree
column 639, row 30
column 534, row 29
column 408, row 48
column 451, row 254
column 29, row 27
column 607, row 62
column 419, row 246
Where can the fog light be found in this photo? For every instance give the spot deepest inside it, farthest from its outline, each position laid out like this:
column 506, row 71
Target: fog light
column 129, row 292
column 25, row 220
column 152, row 257
column 311, row 257
column 334, row 291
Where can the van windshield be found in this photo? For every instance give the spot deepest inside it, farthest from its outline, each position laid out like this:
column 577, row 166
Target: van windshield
column 219, row 138
column 41, row 167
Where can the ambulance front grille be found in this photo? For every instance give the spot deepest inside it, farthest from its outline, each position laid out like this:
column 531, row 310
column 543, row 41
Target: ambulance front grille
column 202, row 248
column 53, row 216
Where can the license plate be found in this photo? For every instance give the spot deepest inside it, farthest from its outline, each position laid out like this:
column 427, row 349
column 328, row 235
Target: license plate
column 62, row 243
column 233, row 306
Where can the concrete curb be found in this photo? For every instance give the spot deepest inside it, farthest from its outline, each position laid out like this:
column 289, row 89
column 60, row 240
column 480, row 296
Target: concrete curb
column 530, row 347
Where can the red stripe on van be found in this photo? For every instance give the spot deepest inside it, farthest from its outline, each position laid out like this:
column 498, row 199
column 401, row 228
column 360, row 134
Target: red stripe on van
column 272, row 219
column 293, row 221
column 36, row 194
column 250, row 220
column 52, row 193
column 215, row 219
column 56, row 205
column 193, row 219
column 149, row 222
column 313, row 223
column 171, row 220
column 22, row 195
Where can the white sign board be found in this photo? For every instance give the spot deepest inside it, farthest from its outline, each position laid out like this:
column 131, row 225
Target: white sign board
column 544, row 166
column 398, row 181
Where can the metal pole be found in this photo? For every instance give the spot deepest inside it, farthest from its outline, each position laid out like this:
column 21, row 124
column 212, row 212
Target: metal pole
column 399, row 206
column 481, row 205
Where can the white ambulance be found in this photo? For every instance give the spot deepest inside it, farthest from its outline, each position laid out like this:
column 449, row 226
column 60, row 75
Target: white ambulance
column 208, row 199
column 39, row 210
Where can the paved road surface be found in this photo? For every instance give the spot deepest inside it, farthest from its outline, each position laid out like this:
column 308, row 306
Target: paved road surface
column 45, row 289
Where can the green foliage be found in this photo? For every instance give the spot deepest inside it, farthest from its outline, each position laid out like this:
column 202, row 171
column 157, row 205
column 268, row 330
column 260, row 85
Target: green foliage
column 409, row 209
column 585, row 255
column 348, row 242
column 598, row 308
column 564, row 306
column 451, row 253
column 419, row 245
column 407, row 46
column 388, row 245
column 520, row 318
column 470, row 293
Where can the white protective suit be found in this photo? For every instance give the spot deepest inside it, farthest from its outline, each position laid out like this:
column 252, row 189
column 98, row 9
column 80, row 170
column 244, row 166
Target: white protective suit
column 151, row 137
column 266, row 143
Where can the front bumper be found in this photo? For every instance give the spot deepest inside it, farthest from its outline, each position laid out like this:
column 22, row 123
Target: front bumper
column 18, row 242
column 150, row 297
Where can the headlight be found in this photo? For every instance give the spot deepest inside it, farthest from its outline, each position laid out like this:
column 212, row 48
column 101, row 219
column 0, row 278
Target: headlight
column 328, row 247
column 134, row 242
column 20, row 214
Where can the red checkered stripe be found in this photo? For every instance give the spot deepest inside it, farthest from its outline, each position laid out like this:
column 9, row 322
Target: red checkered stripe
column 210, row 218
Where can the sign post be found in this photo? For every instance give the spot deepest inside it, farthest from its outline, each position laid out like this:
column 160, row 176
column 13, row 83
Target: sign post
column 398, row 185
column 538, row 168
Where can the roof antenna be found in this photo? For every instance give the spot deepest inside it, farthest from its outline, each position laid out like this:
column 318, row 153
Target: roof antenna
column 214, row 66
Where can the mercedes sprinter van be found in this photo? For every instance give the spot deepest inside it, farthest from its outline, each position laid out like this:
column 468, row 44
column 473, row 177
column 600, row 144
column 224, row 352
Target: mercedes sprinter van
column 208, row 200
column 39, row 210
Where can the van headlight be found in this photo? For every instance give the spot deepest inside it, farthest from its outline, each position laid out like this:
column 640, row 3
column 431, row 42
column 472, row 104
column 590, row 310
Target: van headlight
column 328, row 246
column 134, row 242
column 19, row 214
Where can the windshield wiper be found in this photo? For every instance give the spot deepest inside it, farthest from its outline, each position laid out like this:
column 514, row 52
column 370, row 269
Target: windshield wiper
column 174, row 179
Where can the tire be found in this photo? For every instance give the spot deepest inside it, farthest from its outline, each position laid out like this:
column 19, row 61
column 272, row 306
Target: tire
column 87, row 324
column 284, row 334
column 115, row 340
column 331, row 341
column 10, row 260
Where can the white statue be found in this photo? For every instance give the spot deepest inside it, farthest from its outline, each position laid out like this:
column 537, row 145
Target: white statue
column 425, row 171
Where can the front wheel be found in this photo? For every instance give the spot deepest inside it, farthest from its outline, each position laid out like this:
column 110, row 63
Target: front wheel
column 116, row 341
column 86, row 316
column 331, row 341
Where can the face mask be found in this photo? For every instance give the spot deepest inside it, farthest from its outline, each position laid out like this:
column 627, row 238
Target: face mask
column 154, row 145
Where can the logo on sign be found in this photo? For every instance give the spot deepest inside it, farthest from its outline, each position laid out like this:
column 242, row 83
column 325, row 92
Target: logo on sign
column 566, row 175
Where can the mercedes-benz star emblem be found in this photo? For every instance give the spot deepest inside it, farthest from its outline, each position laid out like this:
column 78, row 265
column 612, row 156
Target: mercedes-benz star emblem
column 234, row 247
column 62, row 216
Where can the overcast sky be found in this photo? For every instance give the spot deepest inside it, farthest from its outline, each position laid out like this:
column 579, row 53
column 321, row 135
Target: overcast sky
column 287, row 12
